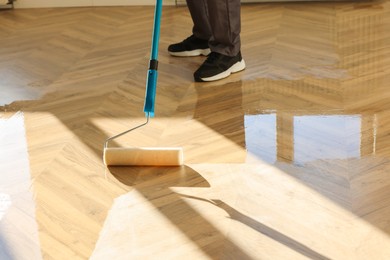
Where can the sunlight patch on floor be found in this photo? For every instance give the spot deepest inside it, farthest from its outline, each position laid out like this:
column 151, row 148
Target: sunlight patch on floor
column 18, row 226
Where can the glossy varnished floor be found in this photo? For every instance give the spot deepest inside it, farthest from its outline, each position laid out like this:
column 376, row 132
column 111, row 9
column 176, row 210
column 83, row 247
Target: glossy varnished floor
column 289, row 159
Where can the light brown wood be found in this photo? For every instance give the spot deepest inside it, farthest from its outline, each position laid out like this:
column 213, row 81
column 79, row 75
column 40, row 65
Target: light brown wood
column 143, row 156
column 288, row 159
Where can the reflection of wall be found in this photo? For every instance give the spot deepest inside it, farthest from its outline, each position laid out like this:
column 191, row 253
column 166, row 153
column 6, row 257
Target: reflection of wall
column 358, row 36
column 327, row 137
column 300, row 139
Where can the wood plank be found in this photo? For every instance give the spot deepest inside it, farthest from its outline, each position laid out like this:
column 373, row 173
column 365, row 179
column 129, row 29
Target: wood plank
column 288, row 159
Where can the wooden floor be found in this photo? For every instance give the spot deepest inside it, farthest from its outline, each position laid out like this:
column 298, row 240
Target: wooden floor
column 289, row 159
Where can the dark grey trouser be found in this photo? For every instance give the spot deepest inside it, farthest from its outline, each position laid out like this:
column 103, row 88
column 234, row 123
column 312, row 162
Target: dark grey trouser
column 218, row 21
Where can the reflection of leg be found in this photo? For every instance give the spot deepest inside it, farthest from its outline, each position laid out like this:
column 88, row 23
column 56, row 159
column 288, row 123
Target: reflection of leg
column 226, row 120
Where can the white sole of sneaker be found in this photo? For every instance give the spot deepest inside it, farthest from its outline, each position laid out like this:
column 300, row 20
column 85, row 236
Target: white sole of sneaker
column 193, row 53
column 238, row 66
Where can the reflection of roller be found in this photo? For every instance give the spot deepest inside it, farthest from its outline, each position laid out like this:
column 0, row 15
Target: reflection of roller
column 156, row 156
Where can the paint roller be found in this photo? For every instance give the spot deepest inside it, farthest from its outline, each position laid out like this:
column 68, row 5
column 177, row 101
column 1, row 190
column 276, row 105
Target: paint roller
column 145, row 156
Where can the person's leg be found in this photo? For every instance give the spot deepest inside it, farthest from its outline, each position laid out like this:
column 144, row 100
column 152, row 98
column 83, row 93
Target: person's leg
column 200, row 18
column 217, row 27
column 198, row 42
column 225, row 22
column 225, row 57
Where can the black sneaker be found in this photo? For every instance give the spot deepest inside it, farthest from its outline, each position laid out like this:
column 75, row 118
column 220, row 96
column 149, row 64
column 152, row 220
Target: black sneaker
column 218, row 66
column 192, row 46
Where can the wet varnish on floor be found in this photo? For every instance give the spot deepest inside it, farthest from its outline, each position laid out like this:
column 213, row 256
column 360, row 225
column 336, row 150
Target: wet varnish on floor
column 288, row 159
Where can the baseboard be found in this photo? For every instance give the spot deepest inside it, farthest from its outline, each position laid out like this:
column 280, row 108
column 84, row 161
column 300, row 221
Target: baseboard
column 78, row 3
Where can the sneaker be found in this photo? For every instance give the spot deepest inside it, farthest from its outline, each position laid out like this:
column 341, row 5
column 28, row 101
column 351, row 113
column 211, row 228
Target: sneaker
column 218, row 66
column 192, row 46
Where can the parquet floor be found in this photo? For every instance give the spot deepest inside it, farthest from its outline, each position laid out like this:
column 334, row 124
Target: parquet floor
column 289, row 159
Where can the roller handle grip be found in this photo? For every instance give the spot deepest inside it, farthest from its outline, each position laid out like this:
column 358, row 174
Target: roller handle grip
column 150, row 94
column 151, row 79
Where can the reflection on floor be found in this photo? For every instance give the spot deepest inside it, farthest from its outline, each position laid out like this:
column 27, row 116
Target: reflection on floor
column 18, row 225
column 288, row 159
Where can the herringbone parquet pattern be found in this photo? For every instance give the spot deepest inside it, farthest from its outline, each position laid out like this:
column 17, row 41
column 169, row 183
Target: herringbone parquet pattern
column 288, row 159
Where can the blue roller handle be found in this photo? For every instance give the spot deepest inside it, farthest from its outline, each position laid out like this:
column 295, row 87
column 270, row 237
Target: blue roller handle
column 151, row 79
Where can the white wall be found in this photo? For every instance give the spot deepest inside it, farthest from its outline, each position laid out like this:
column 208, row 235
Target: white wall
column 71, row 3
